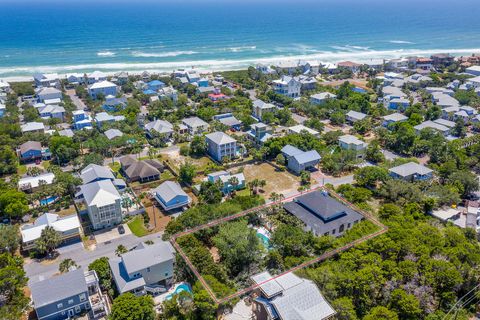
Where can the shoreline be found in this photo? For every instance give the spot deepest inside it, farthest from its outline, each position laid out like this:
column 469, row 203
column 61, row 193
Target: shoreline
column 212, row 66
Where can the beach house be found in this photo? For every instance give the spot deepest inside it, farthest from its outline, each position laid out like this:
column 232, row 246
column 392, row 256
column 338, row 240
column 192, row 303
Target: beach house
column 32, row 127
column 159, row 127
column 226, row 178
column 298, row 160
column 52, row 112
column 259, row 133
column 68, row 296
column 46, row 80
column 260, row 108
column 287, row 86
column 145, row 269
column 140, row 170
column 322, row 214
column 102, row 88
column 67, row 227
column 288, row 297
column 229, row 120
column 32, row 183
column 96, row 76
column 320, row 98
column 195, row 125
column 411, row 171
column 353, row 116
column 393, row 118
column 170, row 196
column 349, row 142
column 48, row 93
column 30, row 151
column 221, row 146
column 81, row 120
column 103, row 203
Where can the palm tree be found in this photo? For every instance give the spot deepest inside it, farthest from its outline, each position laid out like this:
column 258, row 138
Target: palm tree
column 121, row 249
column 48, row 241
column 234, row 182
column 152, row 152
column 66, row 265
column 262, row 183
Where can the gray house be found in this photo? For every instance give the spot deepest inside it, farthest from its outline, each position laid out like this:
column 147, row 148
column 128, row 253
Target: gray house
column 322, row 214
column 147, row 268
column 288, row 297
column 298, row 160
column 411, row 171
column 68, row 295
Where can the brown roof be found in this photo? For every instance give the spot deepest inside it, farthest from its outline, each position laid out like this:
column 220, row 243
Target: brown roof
column 126, row 161
column 140, row 170
column 30, row 145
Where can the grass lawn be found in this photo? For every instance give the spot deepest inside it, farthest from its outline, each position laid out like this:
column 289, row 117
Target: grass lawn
column 137, row 227
column 46, row 164
column 21, row 170
column 115, row 166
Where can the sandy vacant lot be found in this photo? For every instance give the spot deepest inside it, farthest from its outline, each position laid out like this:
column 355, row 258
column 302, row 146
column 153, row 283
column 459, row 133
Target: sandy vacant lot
column 277, row 181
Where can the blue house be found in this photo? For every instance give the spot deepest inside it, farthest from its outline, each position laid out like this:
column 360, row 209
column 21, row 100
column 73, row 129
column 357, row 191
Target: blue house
column 225, row 179
column 81, row 120
column 171, row 196
column 203, row 82
column 155, row 85
column 30, row 151
column 229, row 120
column 298, row 160
column 113, row 104
column 411, row 171
column 68, row 295
column 2, row 110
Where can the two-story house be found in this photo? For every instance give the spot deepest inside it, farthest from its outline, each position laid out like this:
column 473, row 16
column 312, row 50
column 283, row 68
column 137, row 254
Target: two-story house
column 103, row 88
column 288, row 86
column 221, row 146
column 349, row 142
column 226, row 178
column 81, row 120
column 68, row 296
column 411, row 171
column 171, row 196
column 195, row 125
column 260, row 108
column 103, row 203
column 146, row 269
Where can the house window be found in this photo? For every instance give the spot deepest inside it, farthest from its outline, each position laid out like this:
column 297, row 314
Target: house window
column 349, row 225
column 342, row 227
column 82, row 297
column 70, row 301
column 166, row 274
column 77, row 309
column 333, row 231
column 60, row 306
column 326, row 233
column 148, row 269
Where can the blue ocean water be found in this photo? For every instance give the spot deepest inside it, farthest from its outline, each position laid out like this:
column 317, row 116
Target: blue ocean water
column 110, row 35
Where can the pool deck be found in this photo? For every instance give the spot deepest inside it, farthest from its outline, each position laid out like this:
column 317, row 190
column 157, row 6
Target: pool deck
column 162, row 297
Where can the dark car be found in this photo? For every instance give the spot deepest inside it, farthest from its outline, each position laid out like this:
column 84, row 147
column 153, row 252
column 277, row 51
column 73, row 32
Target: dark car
column 121, row 229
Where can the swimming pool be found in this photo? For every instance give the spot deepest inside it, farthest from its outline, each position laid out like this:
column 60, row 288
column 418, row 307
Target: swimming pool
column 180, row 288
column 49, row 200
column 264, row 239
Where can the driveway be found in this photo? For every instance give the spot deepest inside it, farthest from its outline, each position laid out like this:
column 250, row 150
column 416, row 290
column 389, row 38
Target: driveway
column 110, row 235
column 76, row 100
column 83, row 257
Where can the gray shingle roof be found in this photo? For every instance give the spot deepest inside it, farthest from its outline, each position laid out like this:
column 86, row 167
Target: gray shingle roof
column 409, row 169
column 57, row 288
column 147, row 256
column 100, row 193
column 290, row 150
column 220, row 138
column 94, row 171
column 169, row 190
column 30, row 145
column 308, row 156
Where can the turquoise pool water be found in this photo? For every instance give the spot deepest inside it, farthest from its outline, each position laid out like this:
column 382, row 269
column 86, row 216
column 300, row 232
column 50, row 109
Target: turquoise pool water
column 182, row 287
column 47, row 201
column 264, row 239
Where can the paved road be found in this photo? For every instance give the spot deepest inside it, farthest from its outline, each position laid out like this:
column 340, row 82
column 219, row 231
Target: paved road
column 83, row 257
column 76, row 100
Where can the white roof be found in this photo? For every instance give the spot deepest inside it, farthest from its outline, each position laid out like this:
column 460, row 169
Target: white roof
column 220, row 138
column 323, row 96
column 356, row 115
column 33, row 231
column 395, row 117
column 410, row 168
column 161, row 126
column 100, row 193
column 48, row 90
column 194, row 122
column 33, row 126
column 349, row 139
column 34, row 182
column 102, row 85
column 96, row 75
column 299, row 128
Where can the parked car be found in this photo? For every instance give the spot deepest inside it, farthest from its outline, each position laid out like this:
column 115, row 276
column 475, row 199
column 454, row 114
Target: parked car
column 121, row 229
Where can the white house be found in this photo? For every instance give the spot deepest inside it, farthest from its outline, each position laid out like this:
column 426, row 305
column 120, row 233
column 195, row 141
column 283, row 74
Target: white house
column 349, row 142
column 287, row 86
column 260, row 107
column 195, row 125
column 46, row 80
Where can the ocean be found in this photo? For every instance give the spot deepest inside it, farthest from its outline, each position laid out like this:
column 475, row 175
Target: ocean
column 111, row 35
